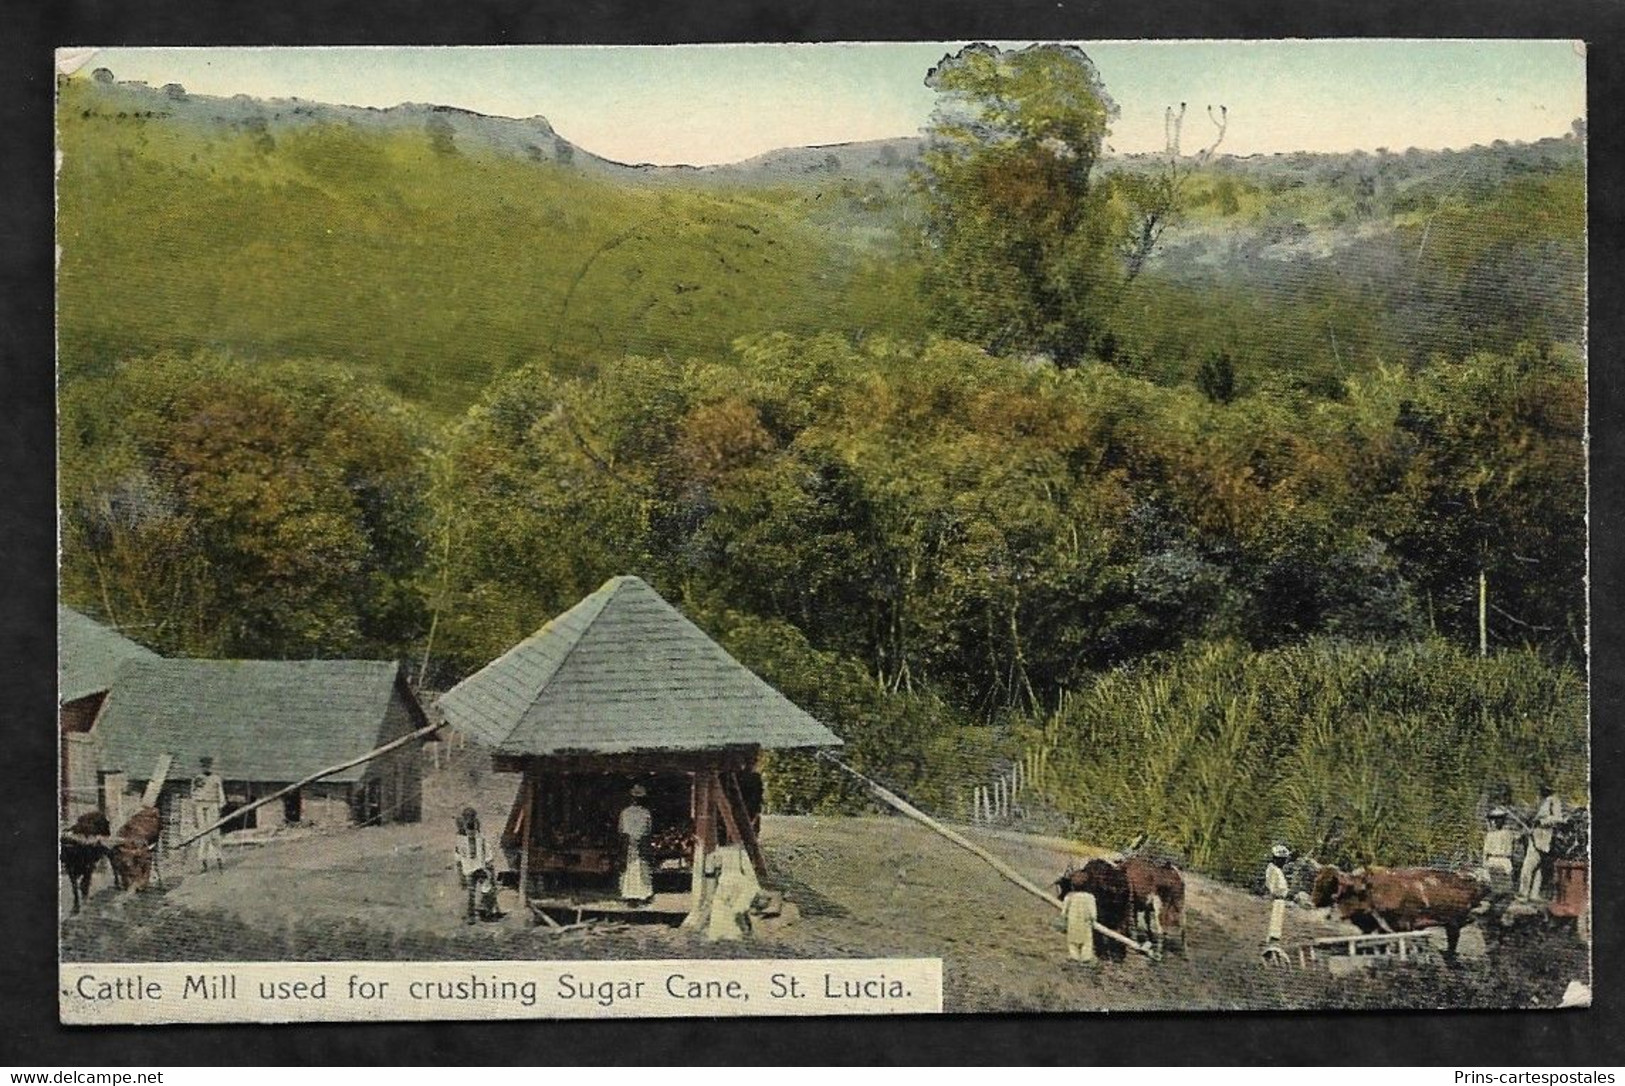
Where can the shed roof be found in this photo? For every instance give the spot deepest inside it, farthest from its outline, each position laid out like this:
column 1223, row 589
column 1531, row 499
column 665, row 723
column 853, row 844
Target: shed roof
column 260, row 720
column 88, row 654
column 622, row 672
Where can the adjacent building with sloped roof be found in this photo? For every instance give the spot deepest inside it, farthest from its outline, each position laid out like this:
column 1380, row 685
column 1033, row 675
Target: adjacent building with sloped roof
column 267, row 724
column 623, row 690
column 88, row 657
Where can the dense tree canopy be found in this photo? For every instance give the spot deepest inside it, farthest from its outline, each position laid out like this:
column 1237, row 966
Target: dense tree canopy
column 214, row 507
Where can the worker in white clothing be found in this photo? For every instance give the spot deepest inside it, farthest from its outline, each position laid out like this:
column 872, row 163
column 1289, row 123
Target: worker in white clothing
column 737, row 890
column 1080, row 912
column 1548, row 816
column 637, row 882
column 1276, row 885
column 1499, row 840
column 208, row 797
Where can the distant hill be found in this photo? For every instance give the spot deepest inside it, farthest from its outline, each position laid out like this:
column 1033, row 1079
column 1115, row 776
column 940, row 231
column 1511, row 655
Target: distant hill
column 433, row 248
column 429, row 248
column 529, row 138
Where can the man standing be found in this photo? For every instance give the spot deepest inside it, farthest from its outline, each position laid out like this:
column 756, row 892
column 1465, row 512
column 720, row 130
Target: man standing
column 1276, row 885
column 1498, row 843
column 1080, row 912
column 1548, row 816
column 476, row 867
column 208, row 797
column 637, row 883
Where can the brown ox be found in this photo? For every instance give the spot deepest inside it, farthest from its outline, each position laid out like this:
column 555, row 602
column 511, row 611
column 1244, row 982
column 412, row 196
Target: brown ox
column 1157, row 896
column 83, row 847
column 1401, row 899
column 131, row 855
column 1113, row 902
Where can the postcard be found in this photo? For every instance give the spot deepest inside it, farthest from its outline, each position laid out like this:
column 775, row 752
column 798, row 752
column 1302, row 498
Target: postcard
column 756, row 530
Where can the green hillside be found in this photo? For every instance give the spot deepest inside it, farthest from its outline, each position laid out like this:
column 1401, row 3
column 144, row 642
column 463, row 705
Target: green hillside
column 394, row 252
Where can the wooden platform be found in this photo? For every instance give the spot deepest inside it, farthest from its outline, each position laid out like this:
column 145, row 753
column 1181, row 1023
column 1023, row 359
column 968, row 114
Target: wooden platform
column 1402, row 945
column 560, row 909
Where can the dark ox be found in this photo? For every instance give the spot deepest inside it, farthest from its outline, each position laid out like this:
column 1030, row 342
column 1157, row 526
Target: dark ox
column 1156, row 887
column 1113, row 902
column 83, row 847
column 1399, row 899
column 131, row 855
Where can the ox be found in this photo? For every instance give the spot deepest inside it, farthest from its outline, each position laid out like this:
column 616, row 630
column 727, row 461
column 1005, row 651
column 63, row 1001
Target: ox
column 1401, row 899
column 132, row 854
column 1157, row 896
column 83, row 847
column 1113, row 902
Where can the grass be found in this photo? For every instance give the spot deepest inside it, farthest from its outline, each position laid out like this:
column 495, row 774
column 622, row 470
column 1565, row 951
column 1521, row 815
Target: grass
column 1361, row 753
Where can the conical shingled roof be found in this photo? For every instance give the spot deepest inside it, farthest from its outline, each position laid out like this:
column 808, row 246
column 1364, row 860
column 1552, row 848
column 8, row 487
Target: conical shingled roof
column 621, row 672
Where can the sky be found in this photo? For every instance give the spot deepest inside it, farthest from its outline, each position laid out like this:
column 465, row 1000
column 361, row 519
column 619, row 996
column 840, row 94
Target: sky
column 709, row 104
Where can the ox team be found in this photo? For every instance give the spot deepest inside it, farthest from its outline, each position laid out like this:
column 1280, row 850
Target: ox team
column 1107, row 905
column 1392, row 900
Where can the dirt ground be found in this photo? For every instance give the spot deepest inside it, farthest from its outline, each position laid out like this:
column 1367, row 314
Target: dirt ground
column 865, row 887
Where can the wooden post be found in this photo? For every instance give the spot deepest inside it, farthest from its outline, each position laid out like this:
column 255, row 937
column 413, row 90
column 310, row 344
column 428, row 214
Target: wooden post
column 702, row 806
column 527, row 816
column 1483, row 614
column 747, row 832
column 113, row 798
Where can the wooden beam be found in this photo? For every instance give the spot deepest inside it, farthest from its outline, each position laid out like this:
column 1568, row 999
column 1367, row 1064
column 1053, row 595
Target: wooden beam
column 646, row 762
column 897, row 802
column 747, row 831
column 724, row 807
column 155, row 783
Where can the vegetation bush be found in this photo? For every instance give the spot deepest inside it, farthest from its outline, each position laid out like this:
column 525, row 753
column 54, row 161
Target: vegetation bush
column 1356, row 753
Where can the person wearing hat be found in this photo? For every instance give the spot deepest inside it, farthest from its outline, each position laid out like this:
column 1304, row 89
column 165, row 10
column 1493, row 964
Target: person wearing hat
column 208, row 797
column 1499, row 840
column 476, row 868
column 1278, row 888
column 1548, row 816
column 637, row 883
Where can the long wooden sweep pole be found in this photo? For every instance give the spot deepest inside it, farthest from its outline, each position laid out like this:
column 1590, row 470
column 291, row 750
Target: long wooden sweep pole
column 328, row 772
column 893, row 800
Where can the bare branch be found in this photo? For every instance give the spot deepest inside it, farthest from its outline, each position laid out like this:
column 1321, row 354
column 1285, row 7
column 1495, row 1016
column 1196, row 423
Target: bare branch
column 1222, row 123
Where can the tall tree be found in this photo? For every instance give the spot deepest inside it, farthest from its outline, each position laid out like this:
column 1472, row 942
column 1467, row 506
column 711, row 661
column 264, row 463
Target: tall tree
column 1021, row 243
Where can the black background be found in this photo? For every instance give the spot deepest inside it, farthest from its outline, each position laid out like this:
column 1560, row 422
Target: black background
column 29, row 1033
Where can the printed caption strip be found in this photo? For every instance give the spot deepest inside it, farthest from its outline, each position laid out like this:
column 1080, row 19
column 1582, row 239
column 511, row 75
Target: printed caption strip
column 153, row 993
